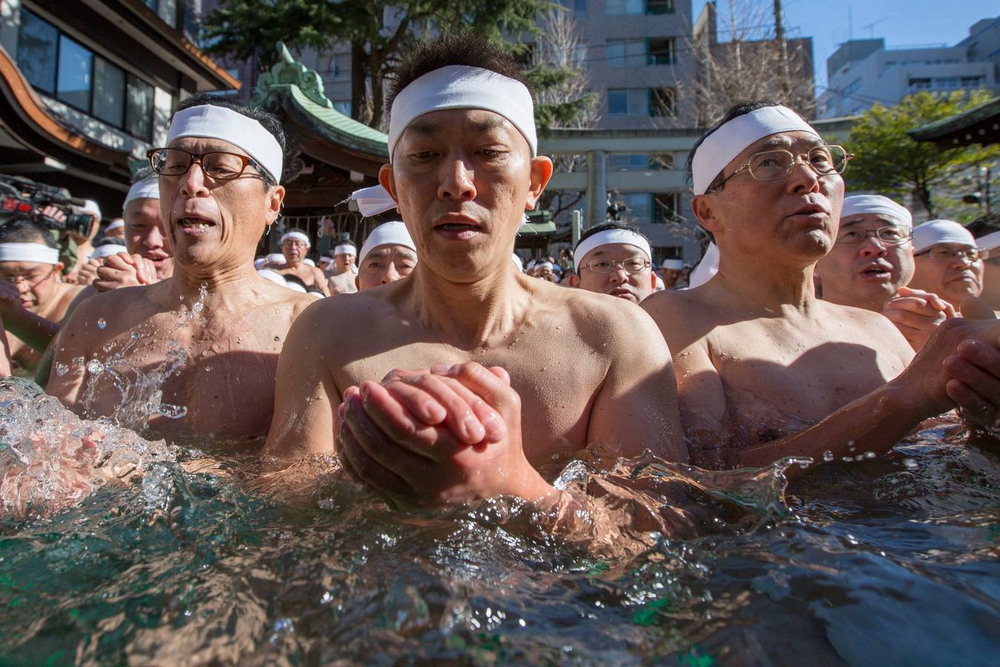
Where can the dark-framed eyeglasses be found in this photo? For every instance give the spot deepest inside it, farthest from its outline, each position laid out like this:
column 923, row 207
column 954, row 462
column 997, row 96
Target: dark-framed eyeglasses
column 31, row 280
column 945, row 253
column 630, row 265
column 887, row 235
column 776, row 164
column 218, row 165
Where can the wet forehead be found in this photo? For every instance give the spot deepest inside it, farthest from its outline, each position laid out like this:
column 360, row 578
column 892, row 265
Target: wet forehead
column 391, row 249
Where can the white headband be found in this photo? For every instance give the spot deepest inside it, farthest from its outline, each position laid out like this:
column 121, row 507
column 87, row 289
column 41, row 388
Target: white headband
column 707, row 267
column 372, row 201
column 90, row 206
column 295, row 234
column 117, row 223
column 464, row 87
column 722, row 146
column 106, row 250
column 28, row 252
column 147, row 188
column 877, row 204
column 610, row 236
column 518, row 262
column 388, row 233
column 345, row 249
column 673, row 264
column 215, row 122
column 543, row 265
column 934, row 232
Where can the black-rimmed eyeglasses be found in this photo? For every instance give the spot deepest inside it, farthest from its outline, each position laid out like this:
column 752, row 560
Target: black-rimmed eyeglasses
column 218, row 165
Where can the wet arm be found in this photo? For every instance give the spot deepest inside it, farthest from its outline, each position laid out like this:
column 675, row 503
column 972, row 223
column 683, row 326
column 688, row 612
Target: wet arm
column 636, row 407
column 305, row 398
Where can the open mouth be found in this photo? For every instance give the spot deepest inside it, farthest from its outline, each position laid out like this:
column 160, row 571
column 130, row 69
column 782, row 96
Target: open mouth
column 194, row 224
column 878, row 272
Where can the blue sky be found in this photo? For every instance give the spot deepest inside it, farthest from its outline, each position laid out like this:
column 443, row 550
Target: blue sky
column 901, row 23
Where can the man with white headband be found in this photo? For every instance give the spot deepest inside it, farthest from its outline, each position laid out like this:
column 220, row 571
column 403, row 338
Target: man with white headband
column 295, row 248
column 342, row 277
column 670, row 273
column 766, row 370
column 387, row 255
column 115, row 229
column 33, row 298
column 485, row 339
column 615, row 259
column 948, row 262
column 213, row 331
column 871, row 264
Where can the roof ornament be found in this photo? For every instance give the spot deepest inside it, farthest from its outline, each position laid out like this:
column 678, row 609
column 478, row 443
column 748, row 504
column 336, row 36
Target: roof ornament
column 289, row 72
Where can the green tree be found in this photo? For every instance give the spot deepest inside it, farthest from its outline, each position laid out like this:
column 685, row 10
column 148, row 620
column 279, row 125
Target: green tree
column 378, row 32
column 887, row 160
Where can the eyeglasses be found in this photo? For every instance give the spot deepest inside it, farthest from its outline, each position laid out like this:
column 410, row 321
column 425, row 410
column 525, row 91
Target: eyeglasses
column 31, row 280
column 218, row 165
column 630, row 265
column 888, row 235
column 776, row 164
column 968, row 254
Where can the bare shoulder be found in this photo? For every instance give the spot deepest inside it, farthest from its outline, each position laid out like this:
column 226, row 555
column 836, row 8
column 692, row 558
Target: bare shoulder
column 858, row 324
column 683, row 316
column 600, row 319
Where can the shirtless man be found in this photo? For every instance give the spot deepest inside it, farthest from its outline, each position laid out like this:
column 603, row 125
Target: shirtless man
column 214, row 329
column 341, row 279
column 33, row 298
column 294, row 246
column 765, row 369
column 387, row 255
column 586, row 368
column 871, row 265
column 614, row 259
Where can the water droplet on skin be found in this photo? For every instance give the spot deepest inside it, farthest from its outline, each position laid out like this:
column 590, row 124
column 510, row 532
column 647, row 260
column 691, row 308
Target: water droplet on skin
column 94, row 366
column 61, row 369
column 828, row 456
column 277, row 338
column 101, row 323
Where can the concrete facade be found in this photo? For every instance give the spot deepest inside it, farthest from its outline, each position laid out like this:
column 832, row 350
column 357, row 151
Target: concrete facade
column 862, row 73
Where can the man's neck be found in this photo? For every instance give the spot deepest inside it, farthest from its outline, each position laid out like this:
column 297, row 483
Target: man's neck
column 771, row 289
column 472, row 315
column 189, row 281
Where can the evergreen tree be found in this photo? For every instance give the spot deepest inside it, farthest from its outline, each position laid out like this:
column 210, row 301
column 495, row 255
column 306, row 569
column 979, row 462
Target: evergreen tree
column 890, row 162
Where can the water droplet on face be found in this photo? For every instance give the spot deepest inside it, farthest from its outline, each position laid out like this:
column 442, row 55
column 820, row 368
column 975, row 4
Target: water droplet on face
column 277, row 338
column 101, row 323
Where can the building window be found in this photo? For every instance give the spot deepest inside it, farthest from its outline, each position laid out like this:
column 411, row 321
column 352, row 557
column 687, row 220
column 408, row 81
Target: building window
column 662, row 101
column 625, row 53
column 638, row 205
column 625, row 162
column 661, row 52
column 659, row 6
column 665, row 205
column 973, row 81
column 579, row 7
column 920, row 84
column 638, row 7
column 37, row 50
column 73, row 80
column 628, row 101
column 58, row 65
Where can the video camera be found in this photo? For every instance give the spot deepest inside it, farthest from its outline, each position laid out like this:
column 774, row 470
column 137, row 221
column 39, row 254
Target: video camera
column 20, row 195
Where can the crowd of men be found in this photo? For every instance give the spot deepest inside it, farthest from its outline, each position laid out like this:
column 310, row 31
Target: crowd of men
column 460, row 377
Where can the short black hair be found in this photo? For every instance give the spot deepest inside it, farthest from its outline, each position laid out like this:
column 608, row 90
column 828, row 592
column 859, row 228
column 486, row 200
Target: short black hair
column 21, row 229
column 267, row 120
column 603, row 227
column 455, row 48
column 738, row 109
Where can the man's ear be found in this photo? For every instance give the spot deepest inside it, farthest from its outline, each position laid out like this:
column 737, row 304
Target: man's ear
column 574, row 280
column 387, row 180
column 541, row 172
column 705, row 209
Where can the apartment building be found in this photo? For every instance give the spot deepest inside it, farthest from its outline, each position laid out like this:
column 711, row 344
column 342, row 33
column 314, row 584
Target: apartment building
column 863, row 72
